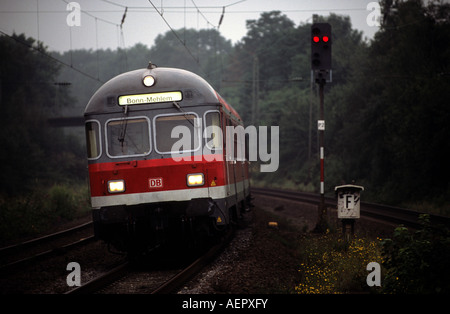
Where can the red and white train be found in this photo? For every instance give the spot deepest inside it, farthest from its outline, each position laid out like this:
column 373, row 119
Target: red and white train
column 160, row 169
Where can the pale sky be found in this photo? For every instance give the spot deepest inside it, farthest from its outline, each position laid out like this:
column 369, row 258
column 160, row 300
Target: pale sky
column 100, row 20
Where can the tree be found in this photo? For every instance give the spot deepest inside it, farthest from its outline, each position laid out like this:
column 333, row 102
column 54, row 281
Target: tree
column 31, row 150
column 202, row 52
column 396, row 107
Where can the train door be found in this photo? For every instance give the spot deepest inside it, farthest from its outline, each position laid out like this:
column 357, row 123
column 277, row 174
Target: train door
column 240, row 166
column 214, row 148
column 234, row 138
column 228, row 155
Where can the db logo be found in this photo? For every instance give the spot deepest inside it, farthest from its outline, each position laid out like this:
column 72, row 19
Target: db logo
column 155, row 183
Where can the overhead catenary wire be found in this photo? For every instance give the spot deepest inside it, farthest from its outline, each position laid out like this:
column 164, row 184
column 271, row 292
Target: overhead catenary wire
column 121, row 41
column 93, row 16
column 117, row 25
column 53, row 58
column 119, row 28
column 178, row 38
column 202, row 15
column 122, row 37
column 96, row 48
column 183, row 42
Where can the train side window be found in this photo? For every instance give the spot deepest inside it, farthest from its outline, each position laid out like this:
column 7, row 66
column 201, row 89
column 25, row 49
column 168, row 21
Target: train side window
column 184, row 127
column 92, row 128
column 128, row 137
column 213, row 130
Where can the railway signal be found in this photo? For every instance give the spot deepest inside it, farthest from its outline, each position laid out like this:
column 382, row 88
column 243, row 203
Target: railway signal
column 321, row 66
column 321, row 46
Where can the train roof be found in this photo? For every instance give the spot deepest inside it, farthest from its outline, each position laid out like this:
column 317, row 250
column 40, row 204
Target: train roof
column 153, row 88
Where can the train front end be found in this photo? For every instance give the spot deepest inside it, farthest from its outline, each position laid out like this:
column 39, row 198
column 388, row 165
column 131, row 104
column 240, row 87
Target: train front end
column 157, row 170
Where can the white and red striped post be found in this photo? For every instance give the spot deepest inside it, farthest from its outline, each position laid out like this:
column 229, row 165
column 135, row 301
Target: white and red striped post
column 322, row 210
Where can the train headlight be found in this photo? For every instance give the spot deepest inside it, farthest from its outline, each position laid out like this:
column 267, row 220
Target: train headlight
column 148, row 80
column 116, row 186
column 195, row 179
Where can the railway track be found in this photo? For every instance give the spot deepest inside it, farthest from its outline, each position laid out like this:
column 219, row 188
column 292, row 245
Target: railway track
column 21, row 254
column 383, row 213
column 154, row 282
column 39, row 265
column 20, row 257
column 168, row 280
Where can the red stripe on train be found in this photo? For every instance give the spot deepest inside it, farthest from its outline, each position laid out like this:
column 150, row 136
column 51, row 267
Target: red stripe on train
column 155, row 174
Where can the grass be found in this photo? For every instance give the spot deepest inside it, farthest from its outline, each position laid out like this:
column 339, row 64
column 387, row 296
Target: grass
column 39, row 211
column 332, row 265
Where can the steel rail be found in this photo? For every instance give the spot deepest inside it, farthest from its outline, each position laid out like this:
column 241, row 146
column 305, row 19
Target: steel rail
column 167, row 287
column 385, row 213
column 36, row 257
column 194, row 268
column 43, row 239
column 102, row 281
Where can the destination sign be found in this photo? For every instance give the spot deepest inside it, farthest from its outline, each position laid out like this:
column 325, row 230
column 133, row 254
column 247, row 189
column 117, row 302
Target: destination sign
column 149, row 98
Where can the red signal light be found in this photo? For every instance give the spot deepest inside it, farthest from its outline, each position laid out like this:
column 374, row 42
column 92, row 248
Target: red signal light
column 321, row 46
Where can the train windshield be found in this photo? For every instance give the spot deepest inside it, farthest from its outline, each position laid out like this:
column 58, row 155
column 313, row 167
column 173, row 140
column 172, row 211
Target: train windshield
column 128, row 137
column 177, row 133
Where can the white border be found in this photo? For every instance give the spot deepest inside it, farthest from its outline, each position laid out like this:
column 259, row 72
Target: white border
column 216, row 149
column 177, row 114
column 128, row 118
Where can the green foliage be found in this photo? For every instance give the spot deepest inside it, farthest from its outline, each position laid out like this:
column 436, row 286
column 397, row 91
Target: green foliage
column 40, row 210
column 34, row 155
column 418, row 262
column 203, row 52
column 331, row 265
column 386, row 109
column 393, row 117
column 32, row 151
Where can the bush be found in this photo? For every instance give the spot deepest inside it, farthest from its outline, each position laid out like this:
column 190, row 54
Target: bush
column 40, row 210
column 334, row 265
column 62, row 202
column 418, row 262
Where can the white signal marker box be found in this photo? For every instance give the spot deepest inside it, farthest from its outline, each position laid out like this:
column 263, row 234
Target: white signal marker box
column 348, row 201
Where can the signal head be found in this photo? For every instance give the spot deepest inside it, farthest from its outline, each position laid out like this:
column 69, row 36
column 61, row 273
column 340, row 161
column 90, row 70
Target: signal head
column 321, row 46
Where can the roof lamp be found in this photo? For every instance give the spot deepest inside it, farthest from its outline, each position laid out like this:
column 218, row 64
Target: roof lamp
column 148, row 80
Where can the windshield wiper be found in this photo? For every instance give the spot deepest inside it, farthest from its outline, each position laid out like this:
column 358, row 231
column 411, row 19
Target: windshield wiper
column 123, row 129
column 176, row 105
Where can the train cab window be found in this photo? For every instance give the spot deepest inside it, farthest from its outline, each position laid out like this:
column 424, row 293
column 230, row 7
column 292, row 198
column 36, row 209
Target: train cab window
column 213, row 130
column 177, row 133
column 93, row 139
column 128, row 137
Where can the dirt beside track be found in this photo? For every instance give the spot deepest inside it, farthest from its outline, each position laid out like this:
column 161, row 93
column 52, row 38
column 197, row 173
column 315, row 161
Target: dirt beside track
column 260, row 259
column 265, row 259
